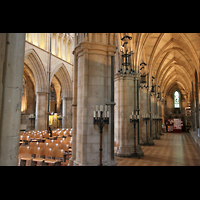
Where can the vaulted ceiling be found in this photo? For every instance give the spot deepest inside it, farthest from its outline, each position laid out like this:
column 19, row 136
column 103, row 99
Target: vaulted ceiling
column 171, row 58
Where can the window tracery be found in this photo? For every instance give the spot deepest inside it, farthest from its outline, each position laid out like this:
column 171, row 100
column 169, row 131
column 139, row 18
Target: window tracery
column 176, row 99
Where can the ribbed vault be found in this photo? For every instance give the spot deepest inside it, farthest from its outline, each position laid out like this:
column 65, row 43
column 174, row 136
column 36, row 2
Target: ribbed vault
column 171, row 58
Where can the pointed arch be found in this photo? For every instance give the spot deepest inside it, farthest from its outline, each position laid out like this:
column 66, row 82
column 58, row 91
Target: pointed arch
column 65, row 79
column 32, row 59
column 177, row 99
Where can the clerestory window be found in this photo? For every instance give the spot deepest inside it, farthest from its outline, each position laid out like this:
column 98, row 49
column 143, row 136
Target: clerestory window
column 177, row 99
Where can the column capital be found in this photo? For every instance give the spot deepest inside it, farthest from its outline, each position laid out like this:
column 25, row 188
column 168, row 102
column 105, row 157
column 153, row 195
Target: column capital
column 67, row 98
column 137, row 75
column 111, row 103
column 41, row 93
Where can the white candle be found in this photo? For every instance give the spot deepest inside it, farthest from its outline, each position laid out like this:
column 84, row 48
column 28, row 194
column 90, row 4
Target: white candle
column 94, row 114
column 132, row 113
column 106, row 107
column 130, row 116
column 101, row 107
column 98, row 113
column 107, row 114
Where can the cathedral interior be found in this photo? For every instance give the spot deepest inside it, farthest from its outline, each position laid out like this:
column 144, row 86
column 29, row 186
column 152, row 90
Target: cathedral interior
column 116, row 96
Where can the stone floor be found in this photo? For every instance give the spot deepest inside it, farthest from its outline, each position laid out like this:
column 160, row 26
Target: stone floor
column 173, row 149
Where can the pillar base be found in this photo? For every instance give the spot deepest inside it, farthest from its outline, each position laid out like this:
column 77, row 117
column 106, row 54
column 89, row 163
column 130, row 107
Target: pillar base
column 156, row 137
column 125, row 151
column 76, row 163
column 161, row 132
column 150, row 142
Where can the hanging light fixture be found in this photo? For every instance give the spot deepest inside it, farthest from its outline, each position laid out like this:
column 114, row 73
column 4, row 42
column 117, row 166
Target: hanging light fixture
column 127, row 64
column 153, row 91
column 143, row 82
column 159, row 95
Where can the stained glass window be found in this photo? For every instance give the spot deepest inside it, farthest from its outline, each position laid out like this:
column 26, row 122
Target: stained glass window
column 176, row 99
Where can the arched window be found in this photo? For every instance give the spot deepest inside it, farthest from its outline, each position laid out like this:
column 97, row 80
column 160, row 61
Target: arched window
column 177, row 99
column 24, row 99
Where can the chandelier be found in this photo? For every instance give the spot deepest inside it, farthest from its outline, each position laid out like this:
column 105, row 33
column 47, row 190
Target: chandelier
column 127, row 58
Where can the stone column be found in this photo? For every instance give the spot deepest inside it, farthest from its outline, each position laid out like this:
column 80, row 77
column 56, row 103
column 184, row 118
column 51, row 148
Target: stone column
column 124, row 106
column 12, row 47
column 144, row 110
column 74, row 110
column 61, row 45
column 41, row 111
column 159, row 113
column 67, row 112
column 56, row 44
column 153, row 112
column 93, row 88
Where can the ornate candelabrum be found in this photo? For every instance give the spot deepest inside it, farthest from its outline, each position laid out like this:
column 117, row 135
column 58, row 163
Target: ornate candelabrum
column 32, row 117
column 101, row 118
column 146, row 117
column 155, row 119
column 126, row 66
column 134, row 119
column 160, row 124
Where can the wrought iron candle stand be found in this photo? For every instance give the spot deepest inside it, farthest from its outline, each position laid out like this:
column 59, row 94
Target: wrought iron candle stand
column 155, row 119
column 134, row 119
column 146, row 117
column 159, row 121
column 32, row 117
column 101, row 120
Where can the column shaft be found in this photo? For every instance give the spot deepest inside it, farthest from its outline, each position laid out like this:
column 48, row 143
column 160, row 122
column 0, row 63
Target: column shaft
column 12, row 47
column 40, row 111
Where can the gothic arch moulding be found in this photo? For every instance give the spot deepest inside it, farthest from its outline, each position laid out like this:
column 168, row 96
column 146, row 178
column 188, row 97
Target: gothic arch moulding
column 33, row 60
column 61, row 71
